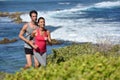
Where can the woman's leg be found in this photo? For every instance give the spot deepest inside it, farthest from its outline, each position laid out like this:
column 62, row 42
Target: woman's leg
column 44, row 57
column 41, row 60
column 36, row 63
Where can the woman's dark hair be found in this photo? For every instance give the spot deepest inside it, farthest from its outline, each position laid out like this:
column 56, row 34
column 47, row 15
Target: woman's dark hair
column 41, row 18
column 33, row 11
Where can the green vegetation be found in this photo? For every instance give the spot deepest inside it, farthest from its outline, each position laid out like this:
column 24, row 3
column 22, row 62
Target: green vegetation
column 2, row 75
column 76, row 62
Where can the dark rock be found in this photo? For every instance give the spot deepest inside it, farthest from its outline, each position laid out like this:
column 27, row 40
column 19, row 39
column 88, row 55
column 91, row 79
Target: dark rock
column 4, row 14
column 56, row 42
column 6, row 40
column 18, row 20
column 14, row 16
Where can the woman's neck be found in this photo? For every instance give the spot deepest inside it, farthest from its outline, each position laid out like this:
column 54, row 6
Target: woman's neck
column 41, row 29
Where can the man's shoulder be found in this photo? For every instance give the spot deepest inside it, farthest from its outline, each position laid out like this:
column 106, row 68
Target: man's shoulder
column 25, row 25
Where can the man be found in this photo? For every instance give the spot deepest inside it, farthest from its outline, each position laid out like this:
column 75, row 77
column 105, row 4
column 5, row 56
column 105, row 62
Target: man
column 27, row 29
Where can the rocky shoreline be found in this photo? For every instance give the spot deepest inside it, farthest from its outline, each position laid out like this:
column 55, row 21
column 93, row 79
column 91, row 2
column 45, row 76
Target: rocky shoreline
column 14, row 16
column 6, row 40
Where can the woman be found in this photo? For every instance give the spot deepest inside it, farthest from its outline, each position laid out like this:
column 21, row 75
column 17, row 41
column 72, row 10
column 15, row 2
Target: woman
column 41, row 36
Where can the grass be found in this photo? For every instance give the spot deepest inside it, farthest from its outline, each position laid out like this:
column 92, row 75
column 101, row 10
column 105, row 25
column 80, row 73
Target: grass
column 76, row 62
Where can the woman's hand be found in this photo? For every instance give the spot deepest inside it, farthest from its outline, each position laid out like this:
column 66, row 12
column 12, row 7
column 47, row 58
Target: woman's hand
column 46, row 38
column 35, row 46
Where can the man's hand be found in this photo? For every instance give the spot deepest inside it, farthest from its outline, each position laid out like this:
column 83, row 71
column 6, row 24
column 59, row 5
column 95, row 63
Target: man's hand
column 32, row 44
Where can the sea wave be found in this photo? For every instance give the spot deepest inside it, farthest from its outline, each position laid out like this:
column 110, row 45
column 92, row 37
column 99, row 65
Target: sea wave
column 64, row 3
column 5, row 19
column 107, row 4
column 78, row 29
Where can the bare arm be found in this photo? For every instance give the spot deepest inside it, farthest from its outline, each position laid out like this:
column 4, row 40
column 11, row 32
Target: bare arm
column 22, row 32
column 49, row 37
column 23, row 38
column 32, row 42
column 33, row 33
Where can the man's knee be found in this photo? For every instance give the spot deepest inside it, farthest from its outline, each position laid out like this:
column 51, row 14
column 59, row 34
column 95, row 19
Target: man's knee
column 29, row 64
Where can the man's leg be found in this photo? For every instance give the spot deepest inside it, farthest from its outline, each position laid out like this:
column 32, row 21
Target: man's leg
column 29, row 53
column 29, row 61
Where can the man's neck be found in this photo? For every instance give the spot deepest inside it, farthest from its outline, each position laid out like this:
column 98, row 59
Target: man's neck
column 33, row 23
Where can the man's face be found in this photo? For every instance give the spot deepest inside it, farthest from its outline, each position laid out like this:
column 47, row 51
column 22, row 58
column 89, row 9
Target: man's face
column 33, row 17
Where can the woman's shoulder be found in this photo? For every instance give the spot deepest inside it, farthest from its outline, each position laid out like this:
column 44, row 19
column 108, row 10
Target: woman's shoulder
column 47, row 31
column 35, row 30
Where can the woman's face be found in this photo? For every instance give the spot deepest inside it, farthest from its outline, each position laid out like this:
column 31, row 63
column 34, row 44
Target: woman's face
column 41, row 23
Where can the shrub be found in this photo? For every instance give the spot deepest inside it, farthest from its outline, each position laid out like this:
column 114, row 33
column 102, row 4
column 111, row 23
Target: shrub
column 75, row 62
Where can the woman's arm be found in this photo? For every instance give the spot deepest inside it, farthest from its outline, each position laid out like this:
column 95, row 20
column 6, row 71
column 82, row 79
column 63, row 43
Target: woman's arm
column 32, row 41
column 33, row 34
column 49, row 38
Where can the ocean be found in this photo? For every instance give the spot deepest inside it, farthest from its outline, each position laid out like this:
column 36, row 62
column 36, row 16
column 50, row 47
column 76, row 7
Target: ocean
column 81, row 21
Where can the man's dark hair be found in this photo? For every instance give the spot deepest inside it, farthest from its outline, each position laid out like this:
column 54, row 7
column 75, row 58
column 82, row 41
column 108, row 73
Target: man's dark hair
column 33, row 11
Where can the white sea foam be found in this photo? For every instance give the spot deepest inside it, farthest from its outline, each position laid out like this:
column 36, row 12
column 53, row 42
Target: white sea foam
column 79, row 30
column 5, row 19
column 66, row 3
column 107, row 4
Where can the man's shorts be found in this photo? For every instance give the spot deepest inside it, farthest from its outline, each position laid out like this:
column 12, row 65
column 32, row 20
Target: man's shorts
column 28, row 51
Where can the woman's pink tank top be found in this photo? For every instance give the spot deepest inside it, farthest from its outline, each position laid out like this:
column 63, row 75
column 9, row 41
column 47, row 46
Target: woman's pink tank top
column 40, row 41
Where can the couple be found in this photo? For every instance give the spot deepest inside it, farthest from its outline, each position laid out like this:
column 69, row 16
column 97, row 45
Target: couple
column 35, row 40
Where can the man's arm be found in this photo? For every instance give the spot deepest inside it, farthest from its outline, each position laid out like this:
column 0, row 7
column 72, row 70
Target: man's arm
column 21, row 34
